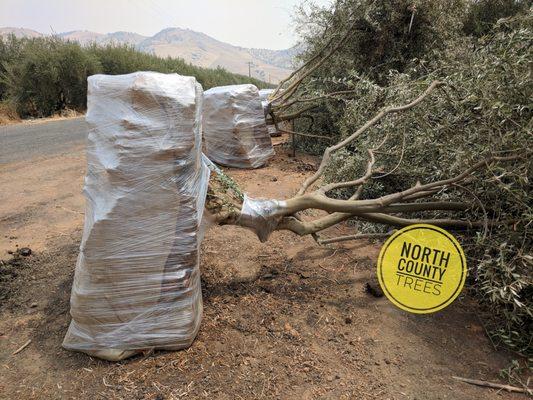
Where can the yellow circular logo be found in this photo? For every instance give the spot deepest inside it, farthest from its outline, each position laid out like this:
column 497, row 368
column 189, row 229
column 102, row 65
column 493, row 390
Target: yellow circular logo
column 422, row 268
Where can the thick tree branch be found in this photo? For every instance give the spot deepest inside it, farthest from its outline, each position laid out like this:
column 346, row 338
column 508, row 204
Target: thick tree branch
column 357, row 236
column 442, row 222
column 374, row 210
column 304, row 134
column 332, row 95
column 293, row 115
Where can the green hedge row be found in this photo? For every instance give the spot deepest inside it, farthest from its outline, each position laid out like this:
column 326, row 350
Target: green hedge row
column 41, row 76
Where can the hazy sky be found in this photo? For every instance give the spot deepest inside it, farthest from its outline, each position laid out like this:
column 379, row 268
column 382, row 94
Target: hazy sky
column 247, row 23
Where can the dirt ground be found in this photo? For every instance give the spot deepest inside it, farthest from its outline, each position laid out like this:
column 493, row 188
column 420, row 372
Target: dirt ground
column 285, row 319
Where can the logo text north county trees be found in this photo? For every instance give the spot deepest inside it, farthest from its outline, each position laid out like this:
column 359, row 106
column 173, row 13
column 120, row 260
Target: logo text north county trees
column 422, row 268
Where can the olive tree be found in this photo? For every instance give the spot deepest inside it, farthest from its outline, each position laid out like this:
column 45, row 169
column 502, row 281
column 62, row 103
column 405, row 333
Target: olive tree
column 443, row 139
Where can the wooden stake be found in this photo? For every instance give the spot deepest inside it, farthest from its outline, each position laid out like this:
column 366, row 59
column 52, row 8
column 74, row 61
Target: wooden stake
column 22, row 347
column 493, row 385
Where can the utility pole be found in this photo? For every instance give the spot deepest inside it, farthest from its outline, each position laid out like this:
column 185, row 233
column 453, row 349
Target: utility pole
column 249, row 68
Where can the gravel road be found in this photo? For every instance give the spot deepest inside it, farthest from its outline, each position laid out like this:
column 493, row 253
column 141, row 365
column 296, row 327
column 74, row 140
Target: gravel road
column 22, row 142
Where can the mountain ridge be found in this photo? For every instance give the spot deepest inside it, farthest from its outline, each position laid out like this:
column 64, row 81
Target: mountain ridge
column 194, row 47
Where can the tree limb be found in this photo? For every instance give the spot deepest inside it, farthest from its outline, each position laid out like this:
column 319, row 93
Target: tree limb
column 304, row 134
column 401, row 222
column 293, row 86
column 294, row 115
column 357, row 236
column 331, row 95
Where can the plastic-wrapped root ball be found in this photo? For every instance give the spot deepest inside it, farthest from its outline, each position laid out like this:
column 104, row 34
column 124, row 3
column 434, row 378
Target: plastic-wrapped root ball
column 137, row 282
column 264, row 94
column 235, row 128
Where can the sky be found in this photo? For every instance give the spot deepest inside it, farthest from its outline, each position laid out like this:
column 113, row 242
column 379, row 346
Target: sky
column 246, row 23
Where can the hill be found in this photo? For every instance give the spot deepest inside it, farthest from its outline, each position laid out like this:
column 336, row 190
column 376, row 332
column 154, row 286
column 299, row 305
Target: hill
column 195, row 47
column 19, row 32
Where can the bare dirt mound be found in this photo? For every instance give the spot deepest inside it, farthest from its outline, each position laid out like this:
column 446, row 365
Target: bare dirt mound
column 284, row 319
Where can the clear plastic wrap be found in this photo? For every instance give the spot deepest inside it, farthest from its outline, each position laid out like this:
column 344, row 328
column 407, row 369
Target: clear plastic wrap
column 263, row 95
column 261, row 215
column 235, row 128
column 137, row 281
column 271, row 128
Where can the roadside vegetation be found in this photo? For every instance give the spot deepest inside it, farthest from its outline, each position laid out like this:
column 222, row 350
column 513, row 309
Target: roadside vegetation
column 43, row 76
column 364, row 55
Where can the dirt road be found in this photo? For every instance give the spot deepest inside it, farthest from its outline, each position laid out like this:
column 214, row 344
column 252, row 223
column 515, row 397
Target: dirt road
column 41, row 176
column 282, row 320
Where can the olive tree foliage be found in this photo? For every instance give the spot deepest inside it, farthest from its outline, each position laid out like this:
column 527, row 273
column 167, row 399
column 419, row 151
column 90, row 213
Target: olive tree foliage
column 10, row 50
column 484, row 110
column 384, row 36
column 481, row 15
column 418, row 122
column 46, row 75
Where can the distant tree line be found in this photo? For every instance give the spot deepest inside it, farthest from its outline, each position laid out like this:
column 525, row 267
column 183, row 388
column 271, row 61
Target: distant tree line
column 42, row 76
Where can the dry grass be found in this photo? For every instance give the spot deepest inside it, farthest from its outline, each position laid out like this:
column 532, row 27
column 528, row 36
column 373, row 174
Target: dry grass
column 8, row 114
